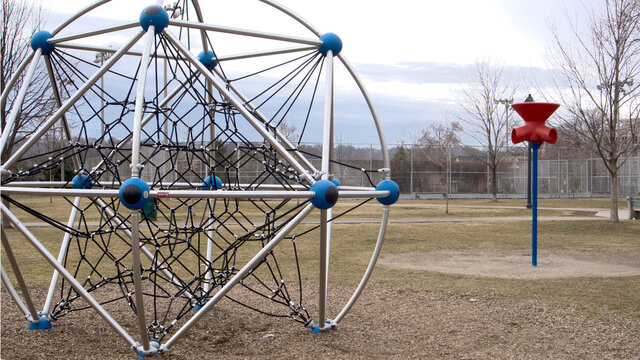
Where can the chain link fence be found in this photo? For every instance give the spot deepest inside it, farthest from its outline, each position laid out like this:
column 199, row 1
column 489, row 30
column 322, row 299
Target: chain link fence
column 422, row 171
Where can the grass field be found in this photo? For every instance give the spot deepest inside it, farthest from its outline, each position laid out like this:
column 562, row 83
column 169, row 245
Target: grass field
column 607, row 303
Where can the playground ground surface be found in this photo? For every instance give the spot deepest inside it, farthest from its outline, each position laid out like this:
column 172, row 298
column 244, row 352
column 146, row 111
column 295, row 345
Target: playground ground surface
column 447, row 289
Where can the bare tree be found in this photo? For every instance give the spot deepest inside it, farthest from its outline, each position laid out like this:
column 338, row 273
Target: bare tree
column 485, row 118
column 19, row 21
column 600, row 66
column 289, row 131
column 438, row 140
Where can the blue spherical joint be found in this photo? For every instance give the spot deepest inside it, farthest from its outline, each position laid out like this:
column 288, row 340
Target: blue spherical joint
column 39, row 41
column 394, row 192
column 43, row 324
column 315, row 330
column 326, row 194
column 330, row 41
column 82, row 181
column 208, row 59
column 154, row 15
column 336, row 182
column 212, row 183
column 134, row 194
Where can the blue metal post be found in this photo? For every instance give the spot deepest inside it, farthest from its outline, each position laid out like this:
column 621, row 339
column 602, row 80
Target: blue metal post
column 534, row 211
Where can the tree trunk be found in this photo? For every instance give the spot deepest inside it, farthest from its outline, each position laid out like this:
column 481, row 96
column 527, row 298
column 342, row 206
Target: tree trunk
column 613, row 186
column 446, row 194
column 494, row 184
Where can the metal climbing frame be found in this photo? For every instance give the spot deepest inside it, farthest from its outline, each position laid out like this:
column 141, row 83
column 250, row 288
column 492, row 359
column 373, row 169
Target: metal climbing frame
column 178, row 133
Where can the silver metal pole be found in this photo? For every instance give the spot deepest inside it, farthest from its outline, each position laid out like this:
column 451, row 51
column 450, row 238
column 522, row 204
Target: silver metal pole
column 236, row 31
column 12, row 292
column 102, row 49
column 326, row 155
column 265, row 53
column 345, row 193
column 165, row 153
column 139, row 111
column 61, row 256
column 102, row 105
column 322, row 293
column 130, row 25
column 328, row 115
column 240, row 275
column 72, row 281
column 33, row 313
column 137, row 277
column 136, row 167
column 72, row 100
column 211, row 202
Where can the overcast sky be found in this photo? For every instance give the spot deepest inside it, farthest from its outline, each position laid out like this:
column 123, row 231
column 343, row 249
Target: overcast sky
column 412, row 55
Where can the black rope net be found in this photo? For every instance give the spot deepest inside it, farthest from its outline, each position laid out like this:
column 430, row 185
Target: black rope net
column 190, row 247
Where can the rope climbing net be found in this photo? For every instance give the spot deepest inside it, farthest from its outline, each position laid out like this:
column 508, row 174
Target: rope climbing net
column 185, row 172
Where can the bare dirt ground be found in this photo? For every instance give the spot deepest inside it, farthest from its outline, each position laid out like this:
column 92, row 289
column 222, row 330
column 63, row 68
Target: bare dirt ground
column 517, row 264
column 392, row 323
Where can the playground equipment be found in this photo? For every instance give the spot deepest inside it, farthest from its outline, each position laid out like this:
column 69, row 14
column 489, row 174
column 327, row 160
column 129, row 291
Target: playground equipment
column 194, row 134
column 534, row 114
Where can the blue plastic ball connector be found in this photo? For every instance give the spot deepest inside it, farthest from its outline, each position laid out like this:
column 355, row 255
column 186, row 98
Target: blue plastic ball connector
column 212, row 183
column 82, row 181
column 39, row 41
column 134, row 194
column 315, row 330
column 330, row 41
column 336, row 182
column 394, row 192
column 326, row 194
column 154, row 15
column 208, row 59
column 44, row 324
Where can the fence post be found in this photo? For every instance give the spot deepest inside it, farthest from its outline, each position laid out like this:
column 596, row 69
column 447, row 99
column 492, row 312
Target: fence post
column 411, row 173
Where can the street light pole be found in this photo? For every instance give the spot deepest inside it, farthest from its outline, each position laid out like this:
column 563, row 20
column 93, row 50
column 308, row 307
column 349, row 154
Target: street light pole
column 507, row 103
column 529, row 204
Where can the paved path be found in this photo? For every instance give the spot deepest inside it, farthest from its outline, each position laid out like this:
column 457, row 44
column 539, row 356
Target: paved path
column 393, row 220
column 600, row 214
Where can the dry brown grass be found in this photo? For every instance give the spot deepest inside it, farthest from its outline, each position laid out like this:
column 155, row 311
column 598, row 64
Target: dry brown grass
column 403, row 313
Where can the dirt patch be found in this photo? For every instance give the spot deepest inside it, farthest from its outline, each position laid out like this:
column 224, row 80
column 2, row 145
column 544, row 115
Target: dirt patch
column 517, row 264
column 386, row 323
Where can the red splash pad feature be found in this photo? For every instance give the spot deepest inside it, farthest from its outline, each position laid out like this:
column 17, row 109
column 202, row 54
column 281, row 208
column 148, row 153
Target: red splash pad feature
column 534, row 115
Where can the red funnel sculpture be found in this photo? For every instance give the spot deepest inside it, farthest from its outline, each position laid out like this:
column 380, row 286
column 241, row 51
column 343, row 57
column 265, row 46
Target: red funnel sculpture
column 534, row 115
